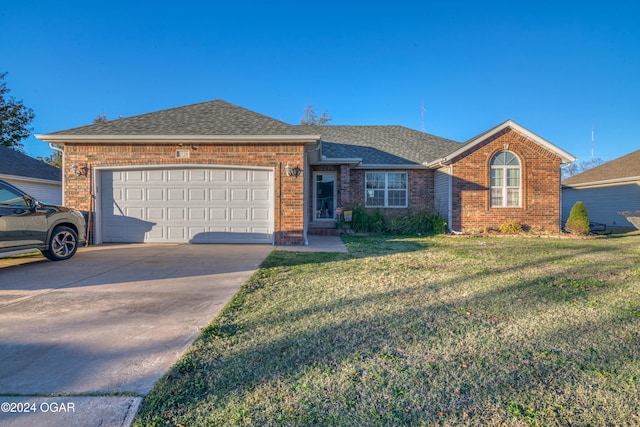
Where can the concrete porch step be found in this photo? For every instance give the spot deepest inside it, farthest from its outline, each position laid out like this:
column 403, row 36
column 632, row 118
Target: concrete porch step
column 324, row 228
column 324, row 232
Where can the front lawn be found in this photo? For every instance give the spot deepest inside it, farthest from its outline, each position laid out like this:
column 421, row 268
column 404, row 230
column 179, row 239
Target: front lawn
column 421, row 331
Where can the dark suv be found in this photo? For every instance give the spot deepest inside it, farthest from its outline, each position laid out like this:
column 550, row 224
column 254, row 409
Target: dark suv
column 26, row 223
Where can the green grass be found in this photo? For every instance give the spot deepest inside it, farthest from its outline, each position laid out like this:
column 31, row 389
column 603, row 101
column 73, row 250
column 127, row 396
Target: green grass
column 421, row 331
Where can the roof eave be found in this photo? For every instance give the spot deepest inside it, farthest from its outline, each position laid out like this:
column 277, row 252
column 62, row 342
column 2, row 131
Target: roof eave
column 172, row 139
column 30, row 179
column 602, row 182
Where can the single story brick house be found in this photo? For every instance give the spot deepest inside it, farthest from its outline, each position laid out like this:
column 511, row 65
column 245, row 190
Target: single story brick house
column 605, row 191
column 215, row 172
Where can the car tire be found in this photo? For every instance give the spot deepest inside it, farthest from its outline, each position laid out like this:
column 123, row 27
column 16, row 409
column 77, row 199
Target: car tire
column 63, row 244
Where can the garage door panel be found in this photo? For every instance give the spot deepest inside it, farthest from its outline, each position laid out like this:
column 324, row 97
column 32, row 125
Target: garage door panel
column 200, row 205
column 239, row 194
column 218, row 214
column 155, row 214
column 260, row 214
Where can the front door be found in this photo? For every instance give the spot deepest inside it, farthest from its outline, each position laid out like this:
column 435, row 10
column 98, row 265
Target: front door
column 324, row 196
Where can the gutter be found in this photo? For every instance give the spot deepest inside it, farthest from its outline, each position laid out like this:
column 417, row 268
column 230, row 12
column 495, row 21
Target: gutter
column 173, row 139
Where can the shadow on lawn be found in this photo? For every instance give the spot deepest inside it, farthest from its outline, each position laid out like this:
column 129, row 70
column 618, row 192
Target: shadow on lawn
column 518, row 378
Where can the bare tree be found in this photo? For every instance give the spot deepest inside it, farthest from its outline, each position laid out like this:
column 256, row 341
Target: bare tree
column 101, row 118
column 311, row 118
column 585, row 165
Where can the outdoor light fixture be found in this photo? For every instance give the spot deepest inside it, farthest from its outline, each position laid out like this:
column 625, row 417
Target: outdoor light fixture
column 79, row 171
column 289, row 171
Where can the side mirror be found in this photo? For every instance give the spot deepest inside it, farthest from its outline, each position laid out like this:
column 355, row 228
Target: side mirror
column 31, row 202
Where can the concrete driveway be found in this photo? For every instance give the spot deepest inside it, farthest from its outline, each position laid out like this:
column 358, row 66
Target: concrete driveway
column 98, row 330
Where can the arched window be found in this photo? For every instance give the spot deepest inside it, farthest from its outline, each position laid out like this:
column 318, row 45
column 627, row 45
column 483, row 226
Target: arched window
column 506, row 182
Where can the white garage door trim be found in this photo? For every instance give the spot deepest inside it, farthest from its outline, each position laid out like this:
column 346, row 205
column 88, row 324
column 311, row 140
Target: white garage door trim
column 184, row 204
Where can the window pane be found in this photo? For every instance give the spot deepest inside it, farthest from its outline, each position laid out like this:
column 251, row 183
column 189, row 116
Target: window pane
column 513, row 177
column 374, row 198
column 397, row 181
column 375, row 180
column 9, row 198
column 497, row 177
column 496, row 197
column 511, row 159
column 513, row 197
column 397, row 198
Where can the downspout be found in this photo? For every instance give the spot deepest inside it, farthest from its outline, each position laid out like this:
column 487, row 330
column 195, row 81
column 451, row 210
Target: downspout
column 54, row 147
column 450, row 207
column 560, row 219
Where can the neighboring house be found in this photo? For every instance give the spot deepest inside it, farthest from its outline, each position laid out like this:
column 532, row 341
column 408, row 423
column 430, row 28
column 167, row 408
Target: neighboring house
column 215, row 172
column 605, row 191
column 34, row 177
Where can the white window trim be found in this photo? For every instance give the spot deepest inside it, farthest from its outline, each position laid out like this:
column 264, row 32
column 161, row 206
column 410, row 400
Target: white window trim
column 504, row 186
column 387, row 189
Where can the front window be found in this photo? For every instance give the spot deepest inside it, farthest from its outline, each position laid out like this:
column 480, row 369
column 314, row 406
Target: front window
column 386, row 190
column 506, row 180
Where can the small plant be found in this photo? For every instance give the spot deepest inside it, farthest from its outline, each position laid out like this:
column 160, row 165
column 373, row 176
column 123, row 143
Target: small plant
column 511, row 227
column 578, row 222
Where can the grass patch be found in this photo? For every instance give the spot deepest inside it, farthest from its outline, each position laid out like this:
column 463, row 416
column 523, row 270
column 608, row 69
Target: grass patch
column 421, row 331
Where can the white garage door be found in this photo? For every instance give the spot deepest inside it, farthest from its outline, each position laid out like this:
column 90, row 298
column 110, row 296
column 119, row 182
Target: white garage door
column 195, row 205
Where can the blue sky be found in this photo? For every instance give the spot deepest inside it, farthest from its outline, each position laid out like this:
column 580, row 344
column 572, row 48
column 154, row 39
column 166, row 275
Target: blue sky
column 557, row 68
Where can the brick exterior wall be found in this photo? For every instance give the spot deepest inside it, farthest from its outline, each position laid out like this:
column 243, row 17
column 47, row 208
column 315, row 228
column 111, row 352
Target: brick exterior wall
column 540, row 181
column 288, row 200
column 351, row 189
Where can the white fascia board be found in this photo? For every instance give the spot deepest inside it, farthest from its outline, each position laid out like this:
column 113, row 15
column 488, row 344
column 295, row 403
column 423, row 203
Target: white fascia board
column 399, row 167
column 564, row 156
column 606, row 182
column 336, row 161
column 30, row 179
column 174, row 139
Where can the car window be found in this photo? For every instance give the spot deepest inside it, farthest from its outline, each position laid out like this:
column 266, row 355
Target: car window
column 9, row 198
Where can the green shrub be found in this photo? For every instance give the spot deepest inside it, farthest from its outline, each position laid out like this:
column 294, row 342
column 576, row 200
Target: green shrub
column 414, row 223
column 421, row 222
column 511, row 227
column 364, row 221
column 578, row 222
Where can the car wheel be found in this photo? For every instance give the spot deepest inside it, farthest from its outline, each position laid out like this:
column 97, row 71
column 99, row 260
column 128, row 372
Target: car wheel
column 62, row 244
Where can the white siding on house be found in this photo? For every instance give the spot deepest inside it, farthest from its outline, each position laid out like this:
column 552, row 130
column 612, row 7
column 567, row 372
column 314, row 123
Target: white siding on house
column 441, row 192
column 604, row 203
column 50, row 192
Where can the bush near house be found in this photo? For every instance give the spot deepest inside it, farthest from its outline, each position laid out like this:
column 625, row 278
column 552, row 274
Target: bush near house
column 578, row 222
column 511, row 227
column 418, row 222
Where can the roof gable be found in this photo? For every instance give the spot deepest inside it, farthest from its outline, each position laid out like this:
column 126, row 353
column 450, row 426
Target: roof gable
column 564, row 156
column 15, row 163
column 624, row 168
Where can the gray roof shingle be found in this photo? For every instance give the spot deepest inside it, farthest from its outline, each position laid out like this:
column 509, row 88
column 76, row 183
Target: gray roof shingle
column 381, row 145
column 15, row 163
column 627, row 166
column 375, row 145
column 215, row 117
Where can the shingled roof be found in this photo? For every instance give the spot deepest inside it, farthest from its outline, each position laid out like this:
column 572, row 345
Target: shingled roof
column 381, row 145
column 215, row 117
column 624, row 168
column 15, row 163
